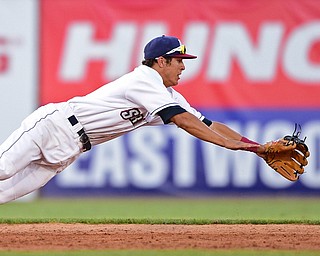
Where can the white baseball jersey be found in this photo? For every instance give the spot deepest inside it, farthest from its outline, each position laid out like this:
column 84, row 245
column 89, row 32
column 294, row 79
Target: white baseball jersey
column 49, row 139
column 126, row 104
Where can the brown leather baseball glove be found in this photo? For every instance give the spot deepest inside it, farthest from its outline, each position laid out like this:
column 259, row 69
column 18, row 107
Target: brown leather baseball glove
column 287, row 156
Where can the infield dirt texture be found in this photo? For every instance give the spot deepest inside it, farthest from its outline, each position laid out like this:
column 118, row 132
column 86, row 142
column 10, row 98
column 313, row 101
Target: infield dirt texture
column 58, row 236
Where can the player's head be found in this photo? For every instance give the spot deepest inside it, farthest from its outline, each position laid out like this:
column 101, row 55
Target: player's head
column 165, row 54
column 166, row 46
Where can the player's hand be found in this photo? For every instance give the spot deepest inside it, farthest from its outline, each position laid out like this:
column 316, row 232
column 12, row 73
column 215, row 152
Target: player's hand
column 239, row 145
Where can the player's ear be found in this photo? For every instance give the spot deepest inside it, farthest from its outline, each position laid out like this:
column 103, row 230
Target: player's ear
column 161, row 61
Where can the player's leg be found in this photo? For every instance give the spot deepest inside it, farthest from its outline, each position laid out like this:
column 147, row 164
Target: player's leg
column 24, row 182
column 36, row 152
column 29, row 142
column 16, row 153
column 31, row 178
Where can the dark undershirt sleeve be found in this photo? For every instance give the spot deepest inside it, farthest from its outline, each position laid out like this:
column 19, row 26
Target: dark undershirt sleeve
column 167, row 113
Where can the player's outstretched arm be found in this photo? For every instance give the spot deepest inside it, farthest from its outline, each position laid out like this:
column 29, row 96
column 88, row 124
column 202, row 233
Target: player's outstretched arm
column 225, row 131
column 225, row 137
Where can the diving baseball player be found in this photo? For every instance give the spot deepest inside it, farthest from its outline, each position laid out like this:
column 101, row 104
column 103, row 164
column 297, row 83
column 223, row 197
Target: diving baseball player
column 54, row 135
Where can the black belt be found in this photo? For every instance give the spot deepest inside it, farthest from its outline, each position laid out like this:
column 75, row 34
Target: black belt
column 84, row 139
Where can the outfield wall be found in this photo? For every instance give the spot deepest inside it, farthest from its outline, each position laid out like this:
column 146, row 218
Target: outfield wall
column 258, row 70
column 18, row 62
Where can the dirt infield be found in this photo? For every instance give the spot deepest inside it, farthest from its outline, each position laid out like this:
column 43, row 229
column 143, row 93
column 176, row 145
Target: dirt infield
column 55, row 236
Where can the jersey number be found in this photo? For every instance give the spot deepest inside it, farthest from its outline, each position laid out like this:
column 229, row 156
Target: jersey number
column 133, row 115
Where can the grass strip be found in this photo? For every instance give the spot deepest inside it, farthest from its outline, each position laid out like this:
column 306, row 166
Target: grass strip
column 155, row 221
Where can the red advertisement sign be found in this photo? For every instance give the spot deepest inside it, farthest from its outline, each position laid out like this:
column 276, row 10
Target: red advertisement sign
column 250, row 55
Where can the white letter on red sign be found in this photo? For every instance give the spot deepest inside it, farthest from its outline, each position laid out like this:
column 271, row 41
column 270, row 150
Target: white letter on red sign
column 295, row 59
column 81, row 48
column 232, row 41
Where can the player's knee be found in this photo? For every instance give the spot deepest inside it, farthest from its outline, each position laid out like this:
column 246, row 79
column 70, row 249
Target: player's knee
column 4, row 198
column 7, row 169
column 7, row 194
column 5, row 174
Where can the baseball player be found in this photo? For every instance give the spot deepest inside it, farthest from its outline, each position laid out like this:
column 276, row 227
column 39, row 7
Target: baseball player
column 54, row 135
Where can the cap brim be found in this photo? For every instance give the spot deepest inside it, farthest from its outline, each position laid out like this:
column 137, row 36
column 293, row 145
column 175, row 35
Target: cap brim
column 182, row 56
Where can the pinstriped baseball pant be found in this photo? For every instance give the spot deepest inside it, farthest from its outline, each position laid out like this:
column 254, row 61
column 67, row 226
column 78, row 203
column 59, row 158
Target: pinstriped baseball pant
column 41, row 147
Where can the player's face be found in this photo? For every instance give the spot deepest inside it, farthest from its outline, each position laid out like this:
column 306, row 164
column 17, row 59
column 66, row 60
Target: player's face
column 172, row 71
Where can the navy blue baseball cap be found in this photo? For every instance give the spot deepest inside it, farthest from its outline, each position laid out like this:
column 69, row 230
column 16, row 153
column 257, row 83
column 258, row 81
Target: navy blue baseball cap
column 166, row 46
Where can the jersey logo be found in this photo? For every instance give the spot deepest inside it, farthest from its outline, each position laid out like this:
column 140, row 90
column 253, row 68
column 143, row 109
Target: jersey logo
column 133, row 115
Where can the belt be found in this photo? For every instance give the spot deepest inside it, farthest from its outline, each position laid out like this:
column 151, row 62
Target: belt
column 84, row 139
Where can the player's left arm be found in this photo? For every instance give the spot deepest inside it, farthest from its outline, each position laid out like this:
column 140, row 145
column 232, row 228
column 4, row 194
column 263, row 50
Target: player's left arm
column 226, row 131
column 191, row 124
column 219, row 128
column 229, row 133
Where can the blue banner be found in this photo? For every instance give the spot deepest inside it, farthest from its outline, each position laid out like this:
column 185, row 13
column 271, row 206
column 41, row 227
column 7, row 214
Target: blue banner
column 166, row 160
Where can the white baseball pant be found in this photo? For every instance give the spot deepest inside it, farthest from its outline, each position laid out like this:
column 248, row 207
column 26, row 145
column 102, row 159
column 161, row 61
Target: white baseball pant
column 44, row 145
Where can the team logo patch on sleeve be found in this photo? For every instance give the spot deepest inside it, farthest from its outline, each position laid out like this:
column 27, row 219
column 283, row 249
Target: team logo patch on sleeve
column 133, row 115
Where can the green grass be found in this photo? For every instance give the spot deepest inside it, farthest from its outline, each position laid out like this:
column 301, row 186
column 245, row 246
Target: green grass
column 165, row 210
